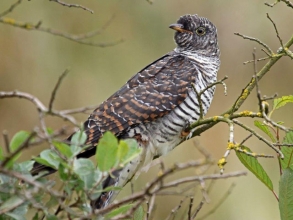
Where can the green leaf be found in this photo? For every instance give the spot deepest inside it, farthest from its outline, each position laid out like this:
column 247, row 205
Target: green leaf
column 86, row 171
column 19, row 212
column 15, row 216
column 83, row 166
column 24, row 167
column 51, row 158
column 286, row 195
column 43, row 162
column 36, row 216
column 138, row 214
column 77, row 141
column 52, row 217
column 287, row 151
column 133, row 151
column 1, row 154
column 13, row 201
column 265, row 129
column 252, row 164
column 106, row 154
column 63, row 148
column 121, row 210
column 63, row 172
column 17, row 140
column 279, row 102
column 122, row 151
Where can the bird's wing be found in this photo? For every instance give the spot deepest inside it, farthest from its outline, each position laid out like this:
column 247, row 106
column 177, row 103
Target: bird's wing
column 150, row 94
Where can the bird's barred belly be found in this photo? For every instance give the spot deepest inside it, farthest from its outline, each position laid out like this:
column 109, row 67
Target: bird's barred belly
column 161, row 136
column 164, row 134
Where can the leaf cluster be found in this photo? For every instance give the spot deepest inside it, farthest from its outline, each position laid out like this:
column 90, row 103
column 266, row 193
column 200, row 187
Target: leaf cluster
column 79, row 179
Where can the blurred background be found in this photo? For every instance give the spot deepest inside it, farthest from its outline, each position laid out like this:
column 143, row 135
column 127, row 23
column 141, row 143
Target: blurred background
column 31, row 61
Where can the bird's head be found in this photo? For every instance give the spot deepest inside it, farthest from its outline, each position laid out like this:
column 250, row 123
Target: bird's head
column 196, row 34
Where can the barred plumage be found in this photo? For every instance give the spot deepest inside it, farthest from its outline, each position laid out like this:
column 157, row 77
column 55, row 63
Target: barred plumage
column 157, row 104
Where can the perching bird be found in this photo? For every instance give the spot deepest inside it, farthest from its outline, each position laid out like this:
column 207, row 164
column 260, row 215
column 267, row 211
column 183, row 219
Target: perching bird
column 158, row 103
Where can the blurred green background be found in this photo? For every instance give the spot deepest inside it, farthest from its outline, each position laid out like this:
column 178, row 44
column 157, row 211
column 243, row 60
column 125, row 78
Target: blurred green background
column 32, row 61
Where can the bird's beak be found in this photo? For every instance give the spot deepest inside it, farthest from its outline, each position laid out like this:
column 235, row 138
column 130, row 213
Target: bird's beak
column 179, row 27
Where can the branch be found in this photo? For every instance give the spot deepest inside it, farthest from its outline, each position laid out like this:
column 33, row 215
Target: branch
column 39, row 105
column 72, row 37
column 245, row 92
column 11, row 8
column 56, row 88
column 73, row 5
column 256, row 40
column 151, row 189
column 287, row 2
column 220, row 202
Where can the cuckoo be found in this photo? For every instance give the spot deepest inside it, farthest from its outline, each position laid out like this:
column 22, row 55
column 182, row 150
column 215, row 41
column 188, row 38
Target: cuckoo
column 157, row 104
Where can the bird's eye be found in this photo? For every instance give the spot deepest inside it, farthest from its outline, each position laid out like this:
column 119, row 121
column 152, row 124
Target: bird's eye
column 200, row 31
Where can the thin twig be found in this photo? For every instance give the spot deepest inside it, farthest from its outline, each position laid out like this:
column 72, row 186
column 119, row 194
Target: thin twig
column 6, row 141
column 78, row 110
column 175, row 210
column 73, row 5
column 259, row 137
column 56, row 88
column 190, row 208
column 39, row 105
column 11, row 8
column 95, row 32
column 246, row 139
column 220, row 202
column 72, row 37
column 260, row 59
column 277, row 32
column 198, row 208
column 256, row 40
column 151, row 205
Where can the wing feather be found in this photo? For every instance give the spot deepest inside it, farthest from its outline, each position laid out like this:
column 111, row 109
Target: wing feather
column 150, row 94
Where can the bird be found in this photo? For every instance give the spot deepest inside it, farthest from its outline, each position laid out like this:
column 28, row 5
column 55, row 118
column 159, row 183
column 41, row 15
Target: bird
column 157, row 105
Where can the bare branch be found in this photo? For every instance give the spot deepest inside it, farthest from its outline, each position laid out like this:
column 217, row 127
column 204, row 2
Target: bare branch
column 16, row 94
column 39, row 105
column 56, row 88
column 95, row 32
column 287, row 2
column 199, row 207
column 256, row 40
column 220, row 202
column 72, row 37
column 259, row 137
column 73, row 5
column 6, row 141
column 78, row 110
column 175, row 210
column 190, row 208
column 11, row 8
column 151, row 189
column 277, row 32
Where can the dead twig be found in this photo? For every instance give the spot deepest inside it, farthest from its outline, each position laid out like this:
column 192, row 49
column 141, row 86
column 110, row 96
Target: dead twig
column 56, row 88
column 72, row 5
column 11, row 8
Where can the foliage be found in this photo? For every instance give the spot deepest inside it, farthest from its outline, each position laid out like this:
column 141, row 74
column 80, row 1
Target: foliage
column 81, row 179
